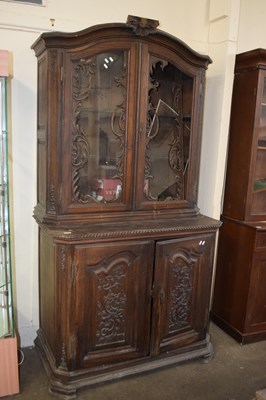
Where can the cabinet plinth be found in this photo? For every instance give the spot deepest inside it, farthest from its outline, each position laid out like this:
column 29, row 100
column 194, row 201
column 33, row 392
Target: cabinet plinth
column 125, row 256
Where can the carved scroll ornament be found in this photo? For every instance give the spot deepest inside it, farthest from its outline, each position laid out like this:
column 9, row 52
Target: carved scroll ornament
column 142, row 26
column 175, row 154
column 84, row 74
column 111, row 304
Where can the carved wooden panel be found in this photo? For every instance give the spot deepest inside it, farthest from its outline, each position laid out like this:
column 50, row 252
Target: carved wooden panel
column 179, row 311
column 182, row 266
column 142, row 26
column 113, row 300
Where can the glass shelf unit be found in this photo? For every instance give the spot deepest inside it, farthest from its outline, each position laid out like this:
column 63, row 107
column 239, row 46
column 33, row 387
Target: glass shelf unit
column 259, row 182
column 6, row 306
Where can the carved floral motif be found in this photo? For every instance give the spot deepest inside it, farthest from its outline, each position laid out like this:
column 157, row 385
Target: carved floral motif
column 83, row 71
column 111, row 304
column 118, row 124
column 176, row 146
column 181, row 294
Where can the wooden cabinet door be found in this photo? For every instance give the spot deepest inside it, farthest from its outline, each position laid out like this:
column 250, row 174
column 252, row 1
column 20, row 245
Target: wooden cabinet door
column 256, row 309
column 97, row 146
column 112, row 302
column 183, row 272
column 169, row 130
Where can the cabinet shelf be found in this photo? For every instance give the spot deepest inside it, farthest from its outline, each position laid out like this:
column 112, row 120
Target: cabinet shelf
column 262, row 143
column 260, row 185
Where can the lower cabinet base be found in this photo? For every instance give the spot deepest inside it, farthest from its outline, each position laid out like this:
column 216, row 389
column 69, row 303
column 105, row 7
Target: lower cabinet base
column 65, row 384
column 241, row 337
column 239, row 296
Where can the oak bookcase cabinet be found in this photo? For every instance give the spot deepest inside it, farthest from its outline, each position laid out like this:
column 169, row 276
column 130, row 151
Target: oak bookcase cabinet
column 239, row 304
column 125, row 256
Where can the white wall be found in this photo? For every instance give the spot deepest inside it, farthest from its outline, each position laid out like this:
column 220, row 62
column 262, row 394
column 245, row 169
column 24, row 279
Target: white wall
column 235, row 26
column 222, row 40
column 208, row 26
column 252, row 26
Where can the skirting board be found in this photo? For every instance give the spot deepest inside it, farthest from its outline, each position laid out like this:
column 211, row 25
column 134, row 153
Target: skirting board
column 9, row 379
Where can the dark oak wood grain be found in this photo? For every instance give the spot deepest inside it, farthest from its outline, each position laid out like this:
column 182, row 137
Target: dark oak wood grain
column 239, row 304
column 125, row 256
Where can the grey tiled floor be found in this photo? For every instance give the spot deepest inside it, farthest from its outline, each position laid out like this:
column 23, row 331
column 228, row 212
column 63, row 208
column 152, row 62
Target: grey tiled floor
column 235, row 373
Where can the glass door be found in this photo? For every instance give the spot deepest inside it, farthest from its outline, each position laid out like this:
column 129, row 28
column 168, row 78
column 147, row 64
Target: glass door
column 6, row 310
column 99, row 118
column 259, row 183
column 165, row 175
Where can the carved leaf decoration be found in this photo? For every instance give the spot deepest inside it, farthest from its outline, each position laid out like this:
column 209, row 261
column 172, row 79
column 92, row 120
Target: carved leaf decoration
column 111, row 304
column 181, row 294
column 142, row 26
column 84, row 86
column 83, row 75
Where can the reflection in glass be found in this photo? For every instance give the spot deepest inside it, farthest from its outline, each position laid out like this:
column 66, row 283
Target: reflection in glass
column 6, row 322
column 99, row 88
column 259, row 185
column 168, row 154
column 168, row 132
